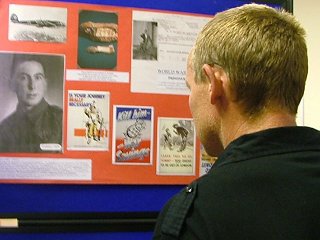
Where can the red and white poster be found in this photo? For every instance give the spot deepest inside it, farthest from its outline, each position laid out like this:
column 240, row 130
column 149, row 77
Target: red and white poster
column 88, row 120
column 133, row 135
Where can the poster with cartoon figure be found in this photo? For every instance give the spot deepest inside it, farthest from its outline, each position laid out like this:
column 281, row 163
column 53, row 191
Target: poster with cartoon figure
column 132, row 135
column 88, row 120
column 176, row 147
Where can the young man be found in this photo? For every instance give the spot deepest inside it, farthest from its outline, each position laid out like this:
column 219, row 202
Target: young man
column 246, row 75
column 35, row 126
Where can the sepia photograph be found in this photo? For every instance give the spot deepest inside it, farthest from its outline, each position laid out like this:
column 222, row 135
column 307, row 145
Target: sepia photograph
column 31, row 117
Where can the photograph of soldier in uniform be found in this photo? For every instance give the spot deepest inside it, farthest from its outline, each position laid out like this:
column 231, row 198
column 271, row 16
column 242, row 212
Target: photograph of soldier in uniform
column 32, row 96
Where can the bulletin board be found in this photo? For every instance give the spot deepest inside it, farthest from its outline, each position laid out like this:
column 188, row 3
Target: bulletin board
column 118, row 75
column 140, row 190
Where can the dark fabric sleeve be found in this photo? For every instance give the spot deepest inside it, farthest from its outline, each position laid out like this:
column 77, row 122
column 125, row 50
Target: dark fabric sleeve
column 173, row 215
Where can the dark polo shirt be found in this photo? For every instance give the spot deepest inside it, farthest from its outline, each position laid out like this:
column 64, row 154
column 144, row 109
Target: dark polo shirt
column 265, row 185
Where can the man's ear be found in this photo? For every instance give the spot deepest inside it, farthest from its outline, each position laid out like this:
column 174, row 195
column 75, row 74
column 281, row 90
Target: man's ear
column 214, row 77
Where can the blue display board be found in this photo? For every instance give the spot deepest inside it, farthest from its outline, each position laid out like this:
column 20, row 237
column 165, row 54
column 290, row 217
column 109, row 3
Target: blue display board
column 38, row 199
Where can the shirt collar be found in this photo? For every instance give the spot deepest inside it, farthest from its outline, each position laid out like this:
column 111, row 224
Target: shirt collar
column 268, row 142
column 35, row 112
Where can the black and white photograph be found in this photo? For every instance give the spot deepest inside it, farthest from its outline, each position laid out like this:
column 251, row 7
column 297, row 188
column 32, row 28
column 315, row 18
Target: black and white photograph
column 31, row 94
column 37, row 23
column 145, row 40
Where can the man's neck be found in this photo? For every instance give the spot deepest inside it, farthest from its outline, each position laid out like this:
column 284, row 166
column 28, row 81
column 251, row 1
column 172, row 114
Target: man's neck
column 28, row 108
column 236, row 125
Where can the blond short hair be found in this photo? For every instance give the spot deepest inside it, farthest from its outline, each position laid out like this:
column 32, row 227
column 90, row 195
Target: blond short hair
column 264, row 53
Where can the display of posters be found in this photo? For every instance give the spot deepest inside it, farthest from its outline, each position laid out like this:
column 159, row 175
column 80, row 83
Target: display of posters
column 176, row 152
column 114, row 102
column 88, row 120
column 132, row 135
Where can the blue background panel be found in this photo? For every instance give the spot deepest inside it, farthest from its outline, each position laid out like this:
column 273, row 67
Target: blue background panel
column 61, row 198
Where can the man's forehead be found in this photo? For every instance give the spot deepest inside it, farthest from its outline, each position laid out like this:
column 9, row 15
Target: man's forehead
column 26, row 64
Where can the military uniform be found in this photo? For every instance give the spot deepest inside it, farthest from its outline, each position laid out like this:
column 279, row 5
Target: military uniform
column 24, row 131
column 265, row 185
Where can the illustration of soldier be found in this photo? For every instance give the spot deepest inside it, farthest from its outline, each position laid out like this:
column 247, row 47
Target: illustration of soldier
column 94, row 123
column 183, row 133
column 167, row 139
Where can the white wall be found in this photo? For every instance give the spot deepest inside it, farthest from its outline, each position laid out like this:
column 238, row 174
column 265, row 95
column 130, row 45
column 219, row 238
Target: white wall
column 307, row 12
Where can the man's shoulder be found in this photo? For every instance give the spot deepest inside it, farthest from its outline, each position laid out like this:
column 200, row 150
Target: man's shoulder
column 8, row 128
column 171, row 219
column 9, row 120
column 55, row 110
